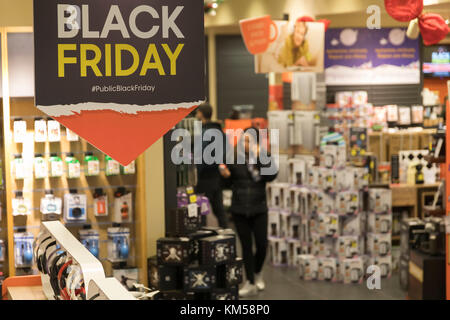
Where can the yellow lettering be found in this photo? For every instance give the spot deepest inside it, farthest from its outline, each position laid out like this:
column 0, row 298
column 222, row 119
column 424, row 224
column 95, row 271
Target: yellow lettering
column 92, row 63
column 152, row 53
column 63, row 60
column 126, row 72
column 173, row 56
column 108, row 60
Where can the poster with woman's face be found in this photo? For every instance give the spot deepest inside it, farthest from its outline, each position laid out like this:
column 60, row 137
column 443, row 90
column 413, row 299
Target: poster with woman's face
column 294, row 47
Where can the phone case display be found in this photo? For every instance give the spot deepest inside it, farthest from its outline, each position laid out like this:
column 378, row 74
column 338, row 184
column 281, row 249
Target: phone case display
column 92, row 165
column 20, row 131
column 40, row 167
column 90, row 239
column 40, row 130
column 21, row 206
column 54, row 131
column 129, row 169
column 2, row 251
column 51, row 207
column 112, row 166
column 56, row 165
column 100, row 203
column 173, row 251
column 23, row 249
column 123, row 206
column 71, row 136
column 199, row 278
column 73, row 166
column 18, row 168
column 217, row 250
column 358, row 142
column 75, row 207
column 118, row 244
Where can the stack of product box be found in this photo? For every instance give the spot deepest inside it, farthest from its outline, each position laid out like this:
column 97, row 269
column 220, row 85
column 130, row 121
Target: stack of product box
column 194, row 263
column 318, row 219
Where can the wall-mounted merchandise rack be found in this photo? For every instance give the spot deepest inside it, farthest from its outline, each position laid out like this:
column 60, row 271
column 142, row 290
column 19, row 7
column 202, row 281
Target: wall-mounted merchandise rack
column 14, row 108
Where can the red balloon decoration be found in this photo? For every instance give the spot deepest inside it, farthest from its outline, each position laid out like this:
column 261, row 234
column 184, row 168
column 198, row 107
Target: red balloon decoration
column 432, row 26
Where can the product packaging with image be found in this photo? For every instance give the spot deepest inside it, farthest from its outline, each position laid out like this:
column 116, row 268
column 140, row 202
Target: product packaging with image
column 20, row 131
column 23, row 249
column 56, row 166
column 123, row 206
column 75, row 207
column 118, row 244
column 54, row 131
column 100, row 203
column 90, row 239
column 92, row 165
column 51, row 207
column 40, row 130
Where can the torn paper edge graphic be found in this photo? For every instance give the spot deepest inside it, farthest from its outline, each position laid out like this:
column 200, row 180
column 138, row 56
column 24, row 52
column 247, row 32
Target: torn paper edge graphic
column 74, row 109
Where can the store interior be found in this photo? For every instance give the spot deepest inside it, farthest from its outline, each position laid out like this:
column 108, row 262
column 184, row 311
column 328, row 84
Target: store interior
column 356, row 210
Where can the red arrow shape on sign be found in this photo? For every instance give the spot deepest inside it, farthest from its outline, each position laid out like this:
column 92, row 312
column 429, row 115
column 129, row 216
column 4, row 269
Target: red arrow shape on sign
column 123, row 136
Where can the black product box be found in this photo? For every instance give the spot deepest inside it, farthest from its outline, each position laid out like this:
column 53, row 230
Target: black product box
column 177, row 295
column 195, row 243
column 152, row 272
column 170, row 278
column 199, row 278
column 173, row 251
column 407, row 234
column 219, row 231
column 225, row 294
column 217, row 250
column 230, row 275
column 182, row 222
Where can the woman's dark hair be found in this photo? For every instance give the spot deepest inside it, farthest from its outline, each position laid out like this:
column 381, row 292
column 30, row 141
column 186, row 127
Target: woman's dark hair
column 206, row 110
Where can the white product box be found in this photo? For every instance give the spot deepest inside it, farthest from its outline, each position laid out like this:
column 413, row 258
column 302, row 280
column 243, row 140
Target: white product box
column 333, row 156
column 285, row 194
column 274, row 223
column 313, row 221
column 75, row 207
column 296, row 195
column 339, row 270
column 21, row 206
column 284, row 122
column 297, row 172
column 275, row 194
column 71, row 136
column 40, row 130
column 313, row 177
column 380, row 200
column 349, row 246
column 20, row 131
column 54, row 131
column 294, row 227
column 379, row 244
column 273, row 251
column 306, row 129
column 361, row 178
column 283, row 172
column 315, row 244
column 328, row 224
column 284, row 224
column 326, row 246
column 304, row 231
column 353, row 225
column 294, row 251
column 384, row 263
column 344, row 179
column 325, row 203
column 353, row 270
column 379, row 223
column 51, row 205
column 347, row 202
column 327, row 269
column 308, row 267
column 283, row 252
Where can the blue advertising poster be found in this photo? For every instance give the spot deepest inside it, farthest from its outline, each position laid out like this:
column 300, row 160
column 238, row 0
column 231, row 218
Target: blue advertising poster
column 371, row 57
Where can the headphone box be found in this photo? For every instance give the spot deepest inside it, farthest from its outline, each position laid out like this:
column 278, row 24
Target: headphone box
column 325, row 202
column 225, row 294
column 173, row 251
column 195, row 242
column 353, row 225
column 294, row 227
column 294, row 251
column 327, row 269
column 217, row 250
column 170, row 278
column 184, row 220
column 349, row 246
column 230, row 274
column 353, row 270
column 152, row 272
column 199, row 278
column 297, row 172
column 274, row 223
column 384, row 263
column 296, row 200
column 379, row 244
column 284, row 223
column 379, row 223
column 313, row 177
column 177, row 295
column 380, row 200
column 285, row 194
column 328, row 225
column 347, row 203
column 308, row 267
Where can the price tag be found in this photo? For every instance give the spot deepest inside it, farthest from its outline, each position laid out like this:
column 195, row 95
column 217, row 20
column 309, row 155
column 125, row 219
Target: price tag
column 192, row 210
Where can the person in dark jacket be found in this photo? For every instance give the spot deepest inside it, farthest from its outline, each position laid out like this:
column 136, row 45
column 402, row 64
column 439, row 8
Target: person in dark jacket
column 249, row 207
column 209, row 179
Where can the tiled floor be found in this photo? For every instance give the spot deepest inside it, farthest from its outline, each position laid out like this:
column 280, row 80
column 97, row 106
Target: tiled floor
column 284, row 284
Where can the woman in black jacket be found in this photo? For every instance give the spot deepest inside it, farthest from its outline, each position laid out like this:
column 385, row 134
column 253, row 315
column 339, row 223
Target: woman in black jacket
column 249, row 208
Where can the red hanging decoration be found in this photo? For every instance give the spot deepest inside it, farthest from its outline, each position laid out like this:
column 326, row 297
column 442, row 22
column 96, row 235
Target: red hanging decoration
column 432, row 26
column 404, row 10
